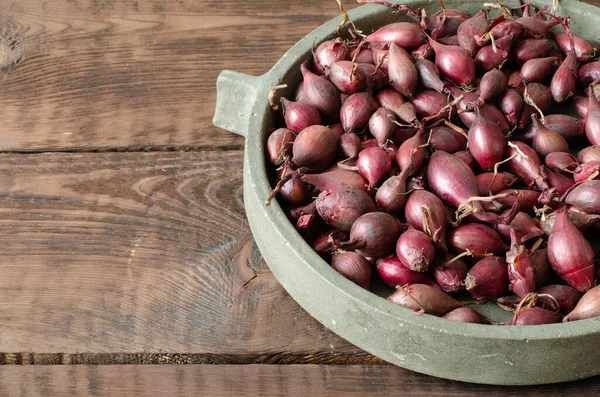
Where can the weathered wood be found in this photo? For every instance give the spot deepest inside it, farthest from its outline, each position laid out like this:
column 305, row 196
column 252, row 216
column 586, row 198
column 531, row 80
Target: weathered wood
column 98, row 75
column 254, row 380
column 142, row 252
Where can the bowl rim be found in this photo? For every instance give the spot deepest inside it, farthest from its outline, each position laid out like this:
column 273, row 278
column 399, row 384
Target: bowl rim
column 257, row 171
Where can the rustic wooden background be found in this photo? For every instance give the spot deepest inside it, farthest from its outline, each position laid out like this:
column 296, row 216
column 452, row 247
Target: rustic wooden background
column 123, row 239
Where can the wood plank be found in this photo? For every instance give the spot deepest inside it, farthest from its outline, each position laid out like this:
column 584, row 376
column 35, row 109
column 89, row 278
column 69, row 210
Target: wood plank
column 255, row 380
column 98, row 75
column 142, row 252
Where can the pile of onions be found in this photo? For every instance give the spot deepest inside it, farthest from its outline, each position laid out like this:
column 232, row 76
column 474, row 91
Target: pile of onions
column 434, row 156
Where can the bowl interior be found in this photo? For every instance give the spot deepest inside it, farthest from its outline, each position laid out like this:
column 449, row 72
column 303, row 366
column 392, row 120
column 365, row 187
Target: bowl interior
column 368, row 19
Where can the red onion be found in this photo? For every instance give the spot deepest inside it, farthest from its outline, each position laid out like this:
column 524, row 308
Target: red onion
column 564, row 80
column 320, row 93
column 476, row 25
column 562, row 163
column 337, row 129
column 373, row 234
column 422, row 298
column 590, row 153
column 530, row 49
column 514, row 80
column 381, row 125
column 373, row 164
column 521, row 272
column 527, row 199
column 336, row 179
column 536, row 316
column 487, row 58
column 293, row 191
column 539, row 260
column 592, row 121
column 450, row 273
column 424, row 51
column 391, row 100
column 537, row 70
column 450, row 40
column 429, row 75
column 580, row 104
column 350, row 144
column 328, row 241
column 566, row 297
column 391, row 195
column 524, row 227
column 454, row 63
column 380, row 58
column 446, row 139
column 315, row 148
column 585, row 197
column 354, row 267
column 365, row 55
column 393, row 273
column 489, row 183
column 464, row 315
column 569, row 127
column 588, row 73
column 587, row 307
column 580, row 220
column 403, row 34
column 559, row 182
column 298, row 115
column 540, row 95
column 570, row 254
column 430, row 103
column 488, row 278
column 342, row 207
column 466, row 157
column 426, row 213
column 536, row 26
column 511, row 105
column 411, row 152
column 446, row 22
column 526, row 165
column 357, row 110
column 486, row 142
column 347, row 77
column 488, row 110
column 402, row 71
column 479, row 239
column 583, row 49
column 329, row 52
column 493, row 83
column 376, row 77
column 415, row 250
column 279, row 145
column 546, row 141
column 408, row 113
column 501, row 28
column 587, row 171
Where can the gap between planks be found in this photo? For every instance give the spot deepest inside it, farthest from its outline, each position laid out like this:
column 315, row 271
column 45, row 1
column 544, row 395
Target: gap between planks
column 136, row 149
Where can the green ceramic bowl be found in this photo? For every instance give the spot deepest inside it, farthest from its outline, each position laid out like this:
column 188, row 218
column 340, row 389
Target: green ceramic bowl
column 500, row 355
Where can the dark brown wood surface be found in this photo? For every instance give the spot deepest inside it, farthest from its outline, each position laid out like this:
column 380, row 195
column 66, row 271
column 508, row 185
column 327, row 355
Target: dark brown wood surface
column 130, row 245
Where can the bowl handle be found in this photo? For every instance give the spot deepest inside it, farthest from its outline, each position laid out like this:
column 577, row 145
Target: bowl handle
column 236, row 96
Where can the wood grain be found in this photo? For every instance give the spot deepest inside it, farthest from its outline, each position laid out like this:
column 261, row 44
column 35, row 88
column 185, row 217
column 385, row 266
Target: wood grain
column 100, row 75
column 255, row 380
column 142, row 252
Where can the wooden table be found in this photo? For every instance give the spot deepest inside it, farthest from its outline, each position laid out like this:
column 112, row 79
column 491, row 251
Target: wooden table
column 124, row 244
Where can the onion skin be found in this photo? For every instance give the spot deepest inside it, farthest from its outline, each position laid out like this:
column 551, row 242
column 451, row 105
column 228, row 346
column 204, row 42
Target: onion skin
column 546, row 141
column 354, row 267
column 336, row 179
column 521, row 273
column 592, row 121
column 364, row 56
column 403, row 34
column 476, row 25
column 350, row 145
column 590, row 153
column 489, row 183
column 488, row 59
column 448, row 140
column 454, row 63
column 373, row 235
column 425, row 208
column 580, row 104
column 537, row 70
column 450, row 179
column 564, row 80
column 346, row 78
column 562, row 163
column 293, row 192
column 506, row 28
column 585, row 197
column 381, row 125
column 422, row 298
column 402, row 72
column 374, row 164
column 588, row 73
column 570, row 254
column 424, row 51
column 511, row 105
column 411, row 153
column 342, row 207
column 583, row 50
column 415, row 250
column 429, row 75
column 320, row 93
column 539, row 260
column 488, row 110
column 391, row 195
column 587, row 307
column 559, row 182
column 446, row 22
column 586, row 171
column 567, row 298
column 393, row 273
column 477, row 238
column 298, row 115
column 536, row 316
column 580, row 220
column 337, row 129
column 391, row 100
column 493, row 83
column 466, row 157
column 279, row 145
column 315, row 148
column 450, row 277
column 488, row 279
column 464, row 315
column 486, row 142
column 329, row 52
column 530, row 49
column 429, row 103
column 527, row 169
column 356, row 111
column 377, row 78
column 569, row 127
column 449, row 40
column 527, row 199
column 524, row 227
